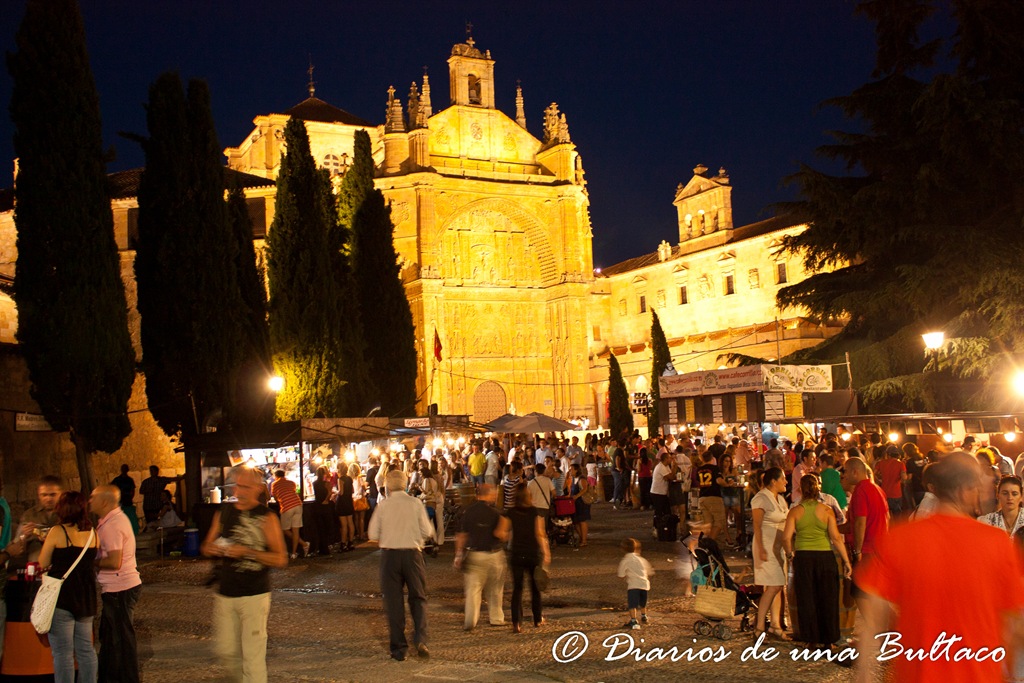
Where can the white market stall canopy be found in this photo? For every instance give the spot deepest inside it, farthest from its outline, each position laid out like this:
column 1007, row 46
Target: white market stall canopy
column 787, row 379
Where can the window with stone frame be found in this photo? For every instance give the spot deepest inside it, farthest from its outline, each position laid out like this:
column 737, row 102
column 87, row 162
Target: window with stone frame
column 643, row 303
column 683, row 296
column 781, row 273
column 730, row 284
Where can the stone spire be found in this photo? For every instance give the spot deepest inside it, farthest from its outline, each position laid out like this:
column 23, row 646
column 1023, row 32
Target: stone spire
column 425, row 111
column 414, row 107
column 520, row 111
column 312, row 83
column 394, row 122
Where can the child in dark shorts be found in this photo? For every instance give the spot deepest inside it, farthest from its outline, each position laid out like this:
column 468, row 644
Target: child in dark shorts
column 637, row 572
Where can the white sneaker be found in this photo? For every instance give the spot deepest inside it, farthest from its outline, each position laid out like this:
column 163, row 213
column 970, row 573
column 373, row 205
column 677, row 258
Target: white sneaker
column 294, row 556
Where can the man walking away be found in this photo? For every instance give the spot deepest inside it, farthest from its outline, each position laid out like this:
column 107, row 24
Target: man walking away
column 479, row 553
column 249, row 540
column 400, row 525
column 120, row 587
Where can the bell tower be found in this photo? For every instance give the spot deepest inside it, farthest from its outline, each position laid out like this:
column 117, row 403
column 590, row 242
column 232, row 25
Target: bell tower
column 471, row 74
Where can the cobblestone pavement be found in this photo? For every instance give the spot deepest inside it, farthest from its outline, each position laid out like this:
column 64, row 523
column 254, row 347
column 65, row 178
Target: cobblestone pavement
column 327, row 623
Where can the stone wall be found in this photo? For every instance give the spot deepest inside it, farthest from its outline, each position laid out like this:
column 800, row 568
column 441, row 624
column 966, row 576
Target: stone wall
column 26, row 456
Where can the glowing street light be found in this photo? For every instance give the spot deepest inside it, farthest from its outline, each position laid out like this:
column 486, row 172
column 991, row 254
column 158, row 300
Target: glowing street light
column 1018, row 382
column 933, row 340
column 276, row 384
column 894, row 437
column 948, row 437
column 1010, row 437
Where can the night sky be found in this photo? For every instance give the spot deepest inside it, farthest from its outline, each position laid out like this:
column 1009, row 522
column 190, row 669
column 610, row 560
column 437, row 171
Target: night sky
column 649, row 88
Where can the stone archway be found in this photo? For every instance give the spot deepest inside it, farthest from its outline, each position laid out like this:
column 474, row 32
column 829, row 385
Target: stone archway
column 489, row 402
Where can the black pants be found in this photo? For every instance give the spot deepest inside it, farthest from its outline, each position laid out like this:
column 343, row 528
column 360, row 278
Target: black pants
column 645, row 491
column 323, row 516
column 661, row 505
column 519, row 569
column 404, row 569
column 816, row 582
column 118, row 657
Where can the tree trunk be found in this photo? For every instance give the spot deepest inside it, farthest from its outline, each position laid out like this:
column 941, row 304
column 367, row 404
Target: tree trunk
column 84, row 458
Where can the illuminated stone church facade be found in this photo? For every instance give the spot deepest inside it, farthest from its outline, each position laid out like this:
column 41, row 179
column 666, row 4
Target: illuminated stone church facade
column 493, row 231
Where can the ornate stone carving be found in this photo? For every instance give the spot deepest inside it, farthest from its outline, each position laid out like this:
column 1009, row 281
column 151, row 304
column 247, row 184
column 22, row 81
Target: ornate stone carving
column 753, row 278
column 705, row 287
column 400, row 212
column 476, row 130
column 510, row 143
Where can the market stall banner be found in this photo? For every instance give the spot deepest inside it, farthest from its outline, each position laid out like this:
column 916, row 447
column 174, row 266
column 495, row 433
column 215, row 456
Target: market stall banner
column 771, row 378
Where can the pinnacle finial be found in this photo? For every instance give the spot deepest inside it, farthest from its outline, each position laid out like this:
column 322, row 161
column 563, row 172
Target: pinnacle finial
column 312, row 83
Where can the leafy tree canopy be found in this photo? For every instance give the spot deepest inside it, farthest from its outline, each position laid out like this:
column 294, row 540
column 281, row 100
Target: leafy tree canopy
column 924, row 230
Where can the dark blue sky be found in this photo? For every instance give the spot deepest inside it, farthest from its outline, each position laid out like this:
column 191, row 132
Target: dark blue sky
column 649, row 88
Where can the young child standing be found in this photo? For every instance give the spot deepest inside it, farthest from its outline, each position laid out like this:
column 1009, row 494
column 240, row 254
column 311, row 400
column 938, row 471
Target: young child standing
column 637, row 572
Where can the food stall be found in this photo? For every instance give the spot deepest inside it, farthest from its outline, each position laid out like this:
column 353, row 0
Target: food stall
column 297, row 447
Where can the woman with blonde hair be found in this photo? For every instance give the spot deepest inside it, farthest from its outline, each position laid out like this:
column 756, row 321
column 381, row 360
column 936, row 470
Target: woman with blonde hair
column 359, row 502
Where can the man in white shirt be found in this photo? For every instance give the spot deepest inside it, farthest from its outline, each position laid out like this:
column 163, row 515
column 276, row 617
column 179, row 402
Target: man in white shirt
column 541, row 491
column 574, row 452
column 542, row 452
column 663, row 473
column 493, row 471
column 400, row 525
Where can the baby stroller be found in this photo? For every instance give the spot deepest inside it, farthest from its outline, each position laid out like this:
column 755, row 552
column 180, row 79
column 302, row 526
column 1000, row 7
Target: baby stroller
column 561, row 528
column 713, row 571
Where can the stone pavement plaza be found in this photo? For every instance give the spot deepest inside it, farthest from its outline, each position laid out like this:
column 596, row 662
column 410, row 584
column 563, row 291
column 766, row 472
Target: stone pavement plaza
column 327, row 622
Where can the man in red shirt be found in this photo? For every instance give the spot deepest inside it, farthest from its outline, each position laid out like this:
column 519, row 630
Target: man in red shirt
column 283, row 491
column 869, row 513
column 949, row 627
column 893, row 473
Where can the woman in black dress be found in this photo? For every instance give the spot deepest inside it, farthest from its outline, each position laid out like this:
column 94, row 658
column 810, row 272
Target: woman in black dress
column 322, row 514
column 529, row 549
column 346, row 509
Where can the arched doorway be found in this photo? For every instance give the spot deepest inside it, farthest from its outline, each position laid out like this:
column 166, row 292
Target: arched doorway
column 489, row 402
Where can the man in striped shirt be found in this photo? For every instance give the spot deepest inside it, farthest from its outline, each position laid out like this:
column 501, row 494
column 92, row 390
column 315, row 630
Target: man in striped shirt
column 283, row 491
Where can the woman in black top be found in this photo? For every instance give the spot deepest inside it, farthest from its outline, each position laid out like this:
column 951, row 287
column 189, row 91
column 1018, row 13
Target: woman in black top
column 322, row 513
column 71, row 629
column 346, row 509
column 529, row 549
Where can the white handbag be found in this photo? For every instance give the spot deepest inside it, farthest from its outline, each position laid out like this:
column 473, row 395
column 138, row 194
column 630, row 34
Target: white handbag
column 46, row 597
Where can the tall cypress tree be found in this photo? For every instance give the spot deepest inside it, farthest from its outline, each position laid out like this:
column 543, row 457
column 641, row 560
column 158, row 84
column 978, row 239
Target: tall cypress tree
column 660, row 357
column 72, row 315
column 384, row 310
column 311, row 316
column 189, row 297
column 620, row 416
column 252, row 403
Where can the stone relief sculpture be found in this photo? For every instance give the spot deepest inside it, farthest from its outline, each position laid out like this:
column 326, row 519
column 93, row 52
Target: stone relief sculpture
column 754, row 278
column 705, row 287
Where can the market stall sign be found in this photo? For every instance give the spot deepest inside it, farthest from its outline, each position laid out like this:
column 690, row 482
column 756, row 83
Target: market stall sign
column 417, row 422
column 767, row 378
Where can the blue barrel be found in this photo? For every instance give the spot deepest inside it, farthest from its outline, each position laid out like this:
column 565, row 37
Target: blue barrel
column 191, row 542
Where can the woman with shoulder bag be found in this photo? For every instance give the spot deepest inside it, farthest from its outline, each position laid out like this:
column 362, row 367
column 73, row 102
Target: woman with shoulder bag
column 71, row 629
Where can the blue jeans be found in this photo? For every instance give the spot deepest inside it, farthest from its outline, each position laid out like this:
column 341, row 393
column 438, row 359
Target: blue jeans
column 619, row 491
column 71, row 639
